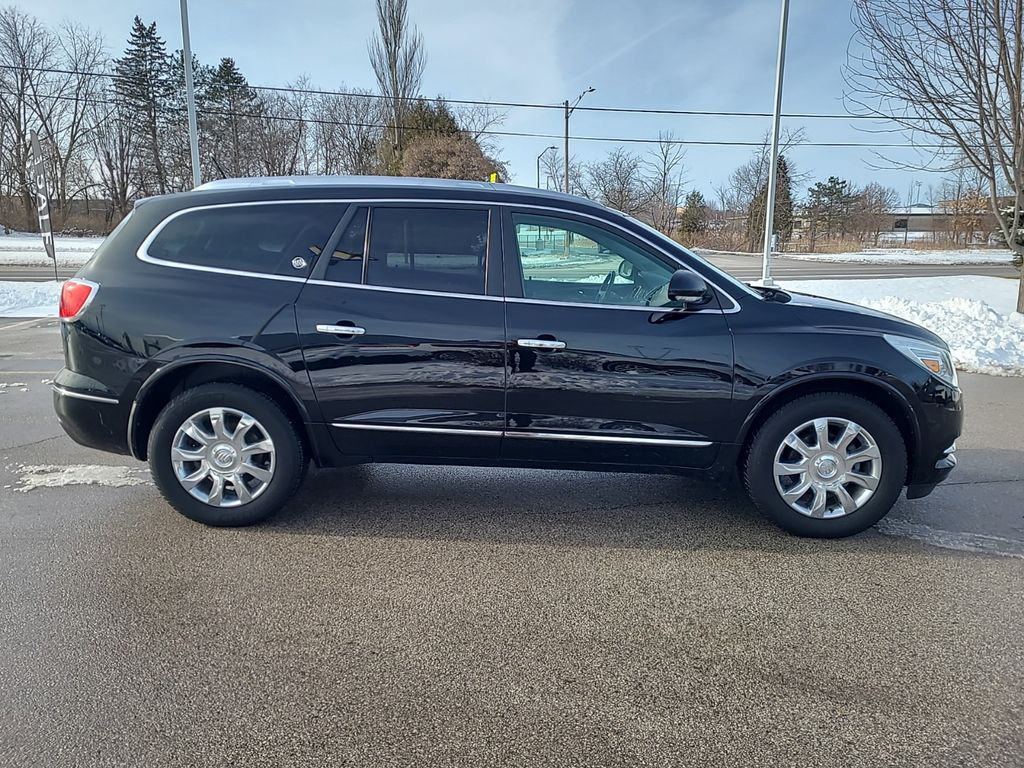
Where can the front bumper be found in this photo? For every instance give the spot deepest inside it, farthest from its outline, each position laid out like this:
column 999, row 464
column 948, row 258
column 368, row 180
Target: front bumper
column 939, row 472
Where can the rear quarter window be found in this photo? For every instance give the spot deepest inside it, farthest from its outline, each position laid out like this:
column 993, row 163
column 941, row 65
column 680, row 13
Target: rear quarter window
column 264, row 238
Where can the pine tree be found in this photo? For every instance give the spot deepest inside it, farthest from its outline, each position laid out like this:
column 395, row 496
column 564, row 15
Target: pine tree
column 783, row 219
column 230, row 107
column 828, row 207
column 145, row 85
column 694, row 218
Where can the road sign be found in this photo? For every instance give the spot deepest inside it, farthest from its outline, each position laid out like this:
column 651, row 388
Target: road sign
column 37, row 182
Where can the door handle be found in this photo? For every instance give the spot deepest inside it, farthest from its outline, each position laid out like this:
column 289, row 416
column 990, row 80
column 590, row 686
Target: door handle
column 541, row 344
column 343, row 330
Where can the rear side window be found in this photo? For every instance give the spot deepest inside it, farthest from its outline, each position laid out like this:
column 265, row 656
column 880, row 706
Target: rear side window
column 429, row 249
column 346, row 263
column 269, row 239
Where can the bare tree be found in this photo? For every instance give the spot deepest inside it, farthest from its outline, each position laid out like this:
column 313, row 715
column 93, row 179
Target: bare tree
column 63, row 105
column 618, row 182
column 448, row 156
column 663, row 178
column 26, row 49
column 871, row 209
column 398, row 58
column 552, row 169
column 346, row 132
column 951, row 71
column 114, row 146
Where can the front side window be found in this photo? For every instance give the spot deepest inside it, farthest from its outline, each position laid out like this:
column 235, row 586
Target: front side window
column 428, row 249
column 568, row 261
column 269, row 239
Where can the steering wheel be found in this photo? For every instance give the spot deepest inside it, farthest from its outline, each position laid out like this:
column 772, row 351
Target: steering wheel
column 605, row 286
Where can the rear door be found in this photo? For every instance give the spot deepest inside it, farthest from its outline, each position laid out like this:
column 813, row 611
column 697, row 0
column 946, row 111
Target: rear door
column 602, row 371
column 402, row 328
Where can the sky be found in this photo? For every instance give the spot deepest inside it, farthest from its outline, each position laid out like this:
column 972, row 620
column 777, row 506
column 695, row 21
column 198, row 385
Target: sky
column 676, row 54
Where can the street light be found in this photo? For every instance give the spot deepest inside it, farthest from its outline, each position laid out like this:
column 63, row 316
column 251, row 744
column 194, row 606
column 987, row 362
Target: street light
column 773, row 169
column 548, row 149
column 190, row 95
column 568, row 111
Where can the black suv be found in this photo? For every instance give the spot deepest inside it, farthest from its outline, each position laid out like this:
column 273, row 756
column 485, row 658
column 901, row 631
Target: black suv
column 233, row 333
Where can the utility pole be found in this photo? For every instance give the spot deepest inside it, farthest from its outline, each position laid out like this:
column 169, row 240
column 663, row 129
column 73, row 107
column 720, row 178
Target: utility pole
column 568, row 111
column 190, row 95
column 773, row 169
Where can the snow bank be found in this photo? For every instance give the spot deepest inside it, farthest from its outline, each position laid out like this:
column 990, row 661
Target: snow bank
column 975, row 315
column 909, row 256
column 29, row 299
column 26, row 249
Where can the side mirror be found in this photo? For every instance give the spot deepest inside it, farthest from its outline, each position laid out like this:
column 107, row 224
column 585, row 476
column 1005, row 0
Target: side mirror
column 626, row 269
column 687, row 287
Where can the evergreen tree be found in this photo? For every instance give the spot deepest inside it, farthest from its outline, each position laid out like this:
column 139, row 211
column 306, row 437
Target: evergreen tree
column 783, row 224
column 829, row 204
column 694, row 218
column 145, row 86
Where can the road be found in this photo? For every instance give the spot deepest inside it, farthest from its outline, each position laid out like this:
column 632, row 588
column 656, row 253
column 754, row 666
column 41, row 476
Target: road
column 463, row 617
column 744, row 267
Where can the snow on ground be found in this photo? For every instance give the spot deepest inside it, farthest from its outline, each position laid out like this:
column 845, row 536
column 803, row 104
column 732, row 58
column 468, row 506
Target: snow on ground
column 26, row 249
column 909, row 256
column 52, row 476
column 29, row 299
column 973, row 314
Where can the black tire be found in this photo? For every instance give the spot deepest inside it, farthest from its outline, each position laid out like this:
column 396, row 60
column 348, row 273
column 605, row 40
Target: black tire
column 759, row 479
column 290, row 454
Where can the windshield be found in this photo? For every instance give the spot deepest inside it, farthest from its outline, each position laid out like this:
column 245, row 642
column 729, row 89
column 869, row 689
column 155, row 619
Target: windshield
column 668, row 241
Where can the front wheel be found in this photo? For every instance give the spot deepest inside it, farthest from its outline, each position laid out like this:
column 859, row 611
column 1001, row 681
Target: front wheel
column 826, row 465
column 225, row 455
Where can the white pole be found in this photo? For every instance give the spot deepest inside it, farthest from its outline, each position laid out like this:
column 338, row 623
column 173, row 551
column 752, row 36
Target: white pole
column 769, row 214
column 190, row 95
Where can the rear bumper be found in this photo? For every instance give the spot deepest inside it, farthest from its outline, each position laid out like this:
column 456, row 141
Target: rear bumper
column 95, row 421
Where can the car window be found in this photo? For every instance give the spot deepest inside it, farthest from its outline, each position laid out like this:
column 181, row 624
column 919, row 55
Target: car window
column 250, row 238
column 431, row 249
column 564, row 260
column 346, row 263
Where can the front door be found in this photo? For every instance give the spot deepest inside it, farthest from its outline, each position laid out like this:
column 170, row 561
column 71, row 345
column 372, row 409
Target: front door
column 402, row 328
column 600, row 370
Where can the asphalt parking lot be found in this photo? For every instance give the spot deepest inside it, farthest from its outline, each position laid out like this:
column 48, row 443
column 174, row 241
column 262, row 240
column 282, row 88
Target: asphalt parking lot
column 462, row 617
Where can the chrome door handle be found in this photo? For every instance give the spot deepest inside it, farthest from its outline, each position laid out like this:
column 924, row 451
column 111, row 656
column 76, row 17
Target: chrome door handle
column 346, row 330
column 540, row 344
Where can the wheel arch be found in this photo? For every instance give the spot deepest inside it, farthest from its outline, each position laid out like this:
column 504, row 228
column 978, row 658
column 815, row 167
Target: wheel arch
column 875, row 391
column 178, row 376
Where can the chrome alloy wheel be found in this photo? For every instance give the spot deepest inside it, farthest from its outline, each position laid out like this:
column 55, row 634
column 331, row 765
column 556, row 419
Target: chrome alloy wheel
column 827, row 467
column 223, row 457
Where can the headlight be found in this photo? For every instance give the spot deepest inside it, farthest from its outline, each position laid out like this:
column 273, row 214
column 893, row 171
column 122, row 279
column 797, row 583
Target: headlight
column 932, row 357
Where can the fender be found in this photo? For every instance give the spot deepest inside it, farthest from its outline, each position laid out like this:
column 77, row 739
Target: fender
column 222, row 356
column 798, row 380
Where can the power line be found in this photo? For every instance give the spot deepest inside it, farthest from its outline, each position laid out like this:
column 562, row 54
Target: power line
column 477, row 102
column 526, row 134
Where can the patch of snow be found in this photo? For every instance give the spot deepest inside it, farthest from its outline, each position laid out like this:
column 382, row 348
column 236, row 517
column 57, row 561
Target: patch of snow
column 971, row 313
column 909, row 256
column 32, row 477
column 29, row 298
column 26, row 249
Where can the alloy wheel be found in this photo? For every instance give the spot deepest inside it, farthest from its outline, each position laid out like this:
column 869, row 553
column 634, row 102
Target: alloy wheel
column 827, row 467
column 223, row 457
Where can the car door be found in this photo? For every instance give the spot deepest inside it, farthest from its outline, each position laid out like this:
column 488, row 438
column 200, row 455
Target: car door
column 402, row 329
column 603, row 369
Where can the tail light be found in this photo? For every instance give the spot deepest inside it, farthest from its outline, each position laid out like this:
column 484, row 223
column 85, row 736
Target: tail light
column 75, row 296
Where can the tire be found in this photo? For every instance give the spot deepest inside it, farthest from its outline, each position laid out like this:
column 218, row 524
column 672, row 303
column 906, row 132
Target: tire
column 281, row 469
column 854, row 509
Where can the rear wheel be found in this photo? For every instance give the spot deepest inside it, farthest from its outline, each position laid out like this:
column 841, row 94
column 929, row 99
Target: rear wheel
column 225, row 455
column 826, row 465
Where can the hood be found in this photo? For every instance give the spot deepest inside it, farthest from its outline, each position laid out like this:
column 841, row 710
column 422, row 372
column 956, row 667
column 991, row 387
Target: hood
column 830, row 313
